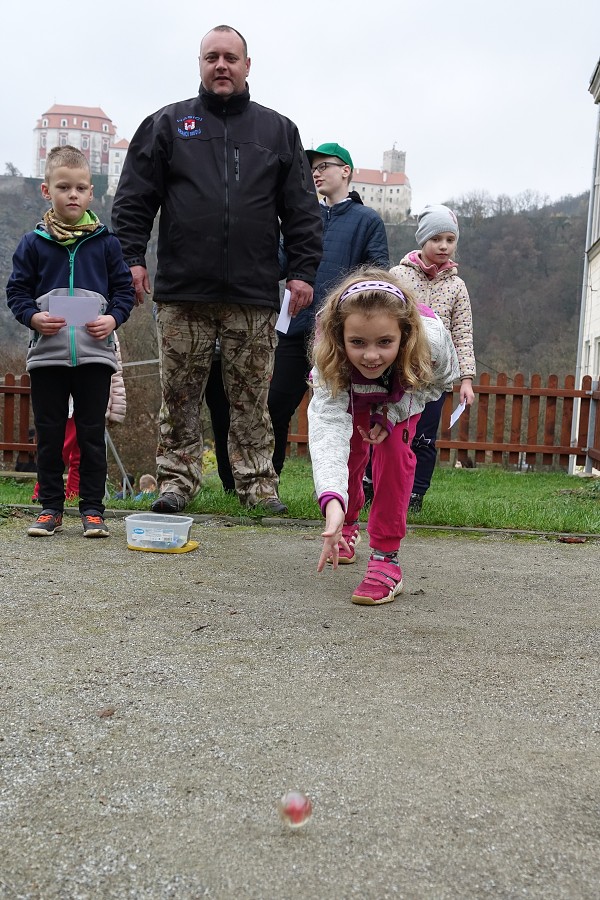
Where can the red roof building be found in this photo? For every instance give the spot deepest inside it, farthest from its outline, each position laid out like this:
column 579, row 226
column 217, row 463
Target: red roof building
column 90, row 130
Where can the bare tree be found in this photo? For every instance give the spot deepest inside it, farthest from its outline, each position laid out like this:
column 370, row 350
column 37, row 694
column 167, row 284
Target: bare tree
column 476, row 205
column 530, row 201
column 503, row 205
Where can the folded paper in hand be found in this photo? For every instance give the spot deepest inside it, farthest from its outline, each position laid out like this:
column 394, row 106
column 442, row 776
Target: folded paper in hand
column 457, row 413
column 76, row 310
column 283, row 322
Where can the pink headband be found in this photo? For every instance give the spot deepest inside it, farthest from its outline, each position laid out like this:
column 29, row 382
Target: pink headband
column 372, row 286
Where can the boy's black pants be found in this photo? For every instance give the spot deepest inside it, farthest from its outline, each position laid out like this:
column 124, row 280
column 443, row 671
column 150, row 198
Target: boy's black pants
column 218, row 406
column 288, row 387
column 89, row 385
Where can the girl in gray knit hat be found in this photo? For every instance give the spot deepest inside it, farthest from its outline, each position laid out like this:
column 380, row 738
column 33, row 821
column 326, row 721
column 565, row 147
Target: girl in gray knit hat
column 430, row 275
column 435, row 220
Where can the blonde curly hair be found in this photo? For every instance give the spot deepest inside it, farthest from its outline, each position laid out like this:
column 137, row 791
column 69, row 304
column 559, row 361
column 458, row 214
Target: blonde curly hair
column 413, row 363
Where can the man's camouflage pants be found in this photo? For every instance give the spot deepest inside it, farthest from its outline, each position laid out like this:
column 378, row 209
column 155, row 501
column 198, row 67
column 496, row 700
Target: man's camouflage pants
column 186, row 341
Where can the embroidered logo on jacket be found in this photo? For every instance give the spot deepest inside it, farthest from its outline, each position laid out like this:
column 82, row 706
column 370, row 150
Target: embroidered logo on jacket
column 189, row 126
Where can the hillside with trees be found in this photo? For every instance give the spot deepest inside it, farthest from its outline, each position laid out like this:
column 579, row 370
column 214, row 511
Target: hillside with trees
column 521, row 258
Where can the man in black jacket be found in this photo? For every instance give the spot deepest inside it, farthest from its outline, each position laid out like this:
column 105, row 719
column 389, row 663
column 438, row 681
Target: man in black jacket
column 228, row 176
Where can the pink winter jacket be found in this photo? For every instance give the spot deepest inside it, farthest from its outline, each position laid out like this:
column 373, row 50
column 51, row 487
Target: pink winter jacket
column 447, row 295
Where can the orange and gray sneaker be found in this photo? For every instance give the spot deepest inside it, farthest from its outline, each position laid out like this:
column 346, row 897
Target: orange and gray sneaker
column 48, row 521
column 351, row 534
column 381, row 584
column 94, row 524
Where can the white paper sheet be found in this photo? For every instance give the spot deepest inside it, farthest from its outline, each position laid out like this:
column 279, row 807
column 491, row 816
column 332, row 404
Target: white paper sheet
column 283, row 322
column 75, row 310
column 457, row 413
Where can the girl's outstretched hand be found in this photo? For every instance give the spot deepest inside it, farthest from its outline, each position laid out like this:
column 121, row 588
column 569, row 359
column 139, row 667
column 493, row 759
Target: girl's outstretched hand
column 376, row 435
column 332, row 536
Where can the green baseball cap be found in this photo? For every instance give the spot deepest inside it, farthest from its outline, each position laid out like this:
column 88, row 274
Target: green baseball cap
column 331, row 150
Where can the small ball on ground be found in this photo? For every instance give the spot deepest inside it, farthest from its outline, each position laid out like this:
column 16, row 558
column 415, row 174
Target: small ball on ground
column 295, row 808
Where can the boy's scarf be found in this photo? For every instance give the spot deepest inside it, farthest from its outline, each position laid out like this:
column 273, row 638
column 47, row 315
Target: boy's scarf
column 64, row 233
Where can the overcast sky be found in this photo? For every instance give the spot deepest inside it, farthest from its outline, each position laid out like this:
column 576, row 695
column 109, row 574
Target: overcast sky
column 482, row 97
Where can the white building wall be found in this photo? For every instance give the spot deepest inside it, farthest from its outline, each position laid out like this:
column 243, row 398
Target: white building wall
column 388, row 201
column 590, row 327
column 588, row 344
column 115, row 166
column 591, row 337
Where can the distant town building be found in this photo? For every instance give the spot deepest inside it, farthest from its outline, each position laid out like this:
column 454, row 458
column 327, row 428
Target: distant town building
column 387, row 190
column 87, row 128
column 116, row 158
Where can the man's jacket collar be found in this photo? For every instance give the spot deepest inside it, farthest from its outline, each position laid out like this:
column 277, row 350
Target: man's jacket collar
column 236, row 103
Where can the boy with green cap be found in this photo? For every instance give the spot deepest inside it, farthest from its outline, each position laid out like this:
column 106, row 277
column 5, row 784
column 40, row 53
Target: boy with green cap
column 353, row 235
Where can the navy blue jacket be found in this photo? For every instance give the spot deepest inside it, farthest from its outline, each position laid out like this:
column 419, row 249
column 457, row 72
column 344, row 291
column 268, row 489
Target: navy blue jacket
column 353, row 235
column 92, row 266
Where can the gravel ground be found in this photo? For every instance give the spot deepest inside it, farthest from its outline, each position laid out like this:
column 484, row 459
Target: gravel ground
column 155, row 706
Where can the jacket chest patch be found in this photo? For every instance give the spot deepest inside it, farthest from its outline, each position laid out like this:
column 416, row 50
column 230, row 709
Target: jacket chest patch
column 189, row 126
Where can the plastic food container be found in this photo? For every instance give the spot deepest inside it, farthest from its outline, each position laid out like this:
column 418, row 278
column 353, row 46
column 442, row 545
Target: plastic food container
column 157, row 531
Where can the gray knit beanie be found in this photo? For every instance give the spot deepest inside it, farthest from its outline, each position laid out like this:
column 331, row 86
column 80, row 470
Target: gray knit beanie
column 434, row 220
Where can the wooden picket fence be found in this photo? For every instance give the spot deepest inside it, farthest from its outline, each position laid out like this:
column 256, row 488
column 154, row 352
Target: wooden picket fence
column 510, row 423
column 15, row 418
column 513, row 423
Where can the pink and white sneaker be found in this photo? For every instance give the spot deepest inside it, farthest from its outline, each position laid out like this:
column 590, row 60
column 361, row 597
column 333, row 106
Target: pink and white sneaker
column 351, row 535
column 381, row 584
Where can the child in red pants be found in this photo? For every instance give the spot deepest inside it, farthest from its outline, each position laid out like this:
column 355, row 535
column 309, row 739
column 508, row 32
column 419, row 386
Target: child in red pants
column 378, row 358
column 71, row 455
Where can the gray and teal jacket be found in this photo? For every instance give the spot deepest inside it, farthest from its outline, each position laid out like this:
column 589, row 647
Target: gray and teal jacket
column 93, row 266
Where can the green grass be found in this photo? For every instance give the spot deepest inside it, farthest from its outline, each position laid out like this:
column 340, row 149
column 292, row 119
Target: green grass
column 478, row 498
